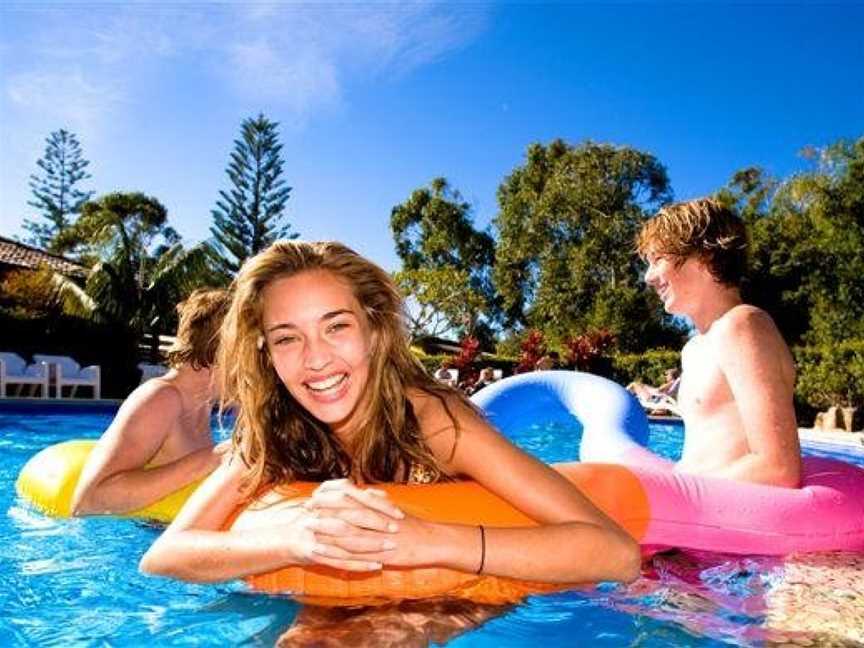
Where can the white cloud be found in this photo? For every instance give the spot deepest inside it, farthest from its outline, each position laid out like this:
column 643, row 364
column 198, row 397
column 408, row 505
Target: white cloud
column 302, row 81
column 301, row 55
column 310, row 51
column 72, row 98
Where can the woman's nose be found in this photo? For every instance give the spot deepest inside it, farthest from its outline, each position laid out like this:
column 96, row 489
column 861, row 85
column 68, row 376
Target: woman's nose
column 317, row 354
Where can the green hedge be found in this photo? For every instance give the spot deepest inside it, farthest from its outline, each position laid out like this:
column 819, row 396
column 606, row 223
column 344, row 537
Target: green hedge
column 831, row 374
column 827, row 374
column 648, row 367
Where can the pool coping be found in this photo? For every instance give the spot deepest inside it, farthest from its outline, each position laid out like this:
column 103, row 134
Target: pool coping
column 58, row 403
column 838, row 438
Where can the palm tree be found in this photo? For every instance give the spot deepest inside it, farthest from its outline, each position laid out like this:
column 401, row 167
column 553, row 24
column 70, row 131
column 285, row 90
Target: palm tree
column 140, row 270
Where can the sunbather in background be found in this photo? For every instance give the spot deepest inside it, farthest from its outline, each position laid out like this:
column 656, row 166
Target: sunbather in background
column 738, row 375
column 160, row 439
column 658, row 399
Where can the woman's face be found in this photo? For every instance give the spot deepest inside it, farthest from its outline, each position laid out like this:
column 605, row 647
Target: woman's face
column 319, row 341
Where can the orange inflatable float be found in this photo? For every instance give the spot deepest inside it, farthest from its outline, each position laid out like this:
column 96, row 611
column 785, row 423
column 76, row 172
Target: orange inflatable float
column 614, row 489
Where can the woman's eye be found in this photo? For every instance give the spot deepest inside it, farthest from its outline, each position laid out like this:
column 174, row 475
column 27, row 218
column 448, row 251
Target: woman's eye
column 335, row 327
column 283, row 341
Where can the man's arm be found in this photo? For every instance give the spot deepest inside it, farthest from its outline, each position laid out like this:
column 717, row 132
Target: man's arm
column 759, row 370
column 115, row 480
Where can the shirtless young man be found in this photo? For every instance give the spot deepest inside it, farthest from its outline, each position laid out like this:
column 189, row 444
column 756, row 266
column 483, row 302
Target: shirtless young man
column 738, row 375
column 160, row 439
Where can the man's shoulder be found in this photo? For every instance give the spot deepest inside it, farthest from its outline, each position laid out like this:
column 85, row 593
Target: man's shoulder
column 744, row 320
column 156, row 396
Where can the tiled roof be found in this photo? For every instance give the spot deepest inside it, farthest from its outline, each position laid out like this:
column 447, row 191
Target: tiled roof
column 24, row 256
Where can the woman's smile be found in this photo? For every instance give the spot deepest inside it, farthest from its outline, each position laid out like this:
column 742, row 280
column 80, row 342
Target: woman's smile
column 319, row 342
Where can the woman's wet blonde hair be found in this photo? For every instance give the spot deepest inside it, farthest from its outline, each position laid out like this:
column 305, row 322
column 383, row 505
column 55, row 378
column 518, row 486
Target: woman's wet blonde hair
column 277, row 438
column 701, row 228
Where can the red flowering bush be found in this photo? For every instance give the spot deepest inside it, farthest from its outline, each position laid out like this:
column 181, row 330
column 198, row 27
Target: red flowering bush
column 583, row 352
column 533, row 348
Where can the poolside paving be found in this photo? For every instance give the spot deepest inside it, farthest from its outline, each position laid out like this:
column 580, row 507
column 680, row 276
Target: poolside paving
column 820, row 596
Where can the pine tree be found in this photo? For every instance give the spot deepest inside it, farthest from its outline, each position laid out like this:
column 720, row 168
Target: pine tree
column 54, row 188
column 250, row 216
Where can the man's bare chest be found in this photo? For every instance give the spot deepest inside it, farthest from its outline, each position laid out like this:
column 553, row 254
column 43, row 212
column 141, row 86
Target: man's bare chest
column 703, row 385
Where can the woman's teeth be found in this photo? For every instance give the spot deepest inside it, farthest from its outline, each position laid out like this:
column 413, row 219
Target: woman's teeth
column 327, row 383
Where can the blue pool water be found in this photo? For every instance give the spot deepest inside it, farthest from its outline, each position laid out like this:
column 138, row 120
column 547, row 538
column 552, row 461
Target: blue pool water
column 75, row 582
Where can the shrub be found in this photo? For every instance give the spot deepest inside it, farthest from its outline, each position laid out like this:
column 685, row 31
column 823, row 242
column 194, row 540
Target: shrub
column 589, row 351
column 648, row 367
column 465, row 360
column 30, row 293
column 533, row 348
column 831, row 374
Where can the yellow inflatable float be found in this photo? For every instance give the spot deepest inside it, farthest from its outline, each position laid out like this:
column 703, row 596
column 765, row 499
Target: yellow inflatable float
column 49, row 478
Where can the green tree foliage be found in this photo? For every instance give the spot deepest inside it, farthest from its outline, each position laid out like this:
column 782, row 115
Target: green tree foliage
column 565, row 259
column 830, row 199
column 807, row 234
column 440, row 300
column 831, row 374
column 778, row 261
column 41, row 293
column 54, row 189
column 251, row 215
column 140, row 268
column 446, row 262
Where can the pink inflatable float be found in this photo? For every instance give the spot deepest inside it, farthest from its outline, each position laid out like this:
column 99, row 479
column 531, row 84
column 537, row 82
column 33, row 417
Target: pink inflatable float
column 826, row 513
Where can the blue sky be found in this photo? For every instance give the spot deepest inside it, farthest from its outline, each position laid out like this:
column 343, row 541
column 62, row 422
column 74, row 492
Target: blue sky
column 376, row 99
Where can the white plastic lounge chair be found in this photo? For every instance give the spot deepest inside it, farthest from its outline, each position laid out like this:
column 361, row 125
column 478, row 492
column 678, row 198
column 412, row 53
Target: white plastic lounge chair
column 15, row 371
column 68, row 373
column 659, row 404
column 149, row 371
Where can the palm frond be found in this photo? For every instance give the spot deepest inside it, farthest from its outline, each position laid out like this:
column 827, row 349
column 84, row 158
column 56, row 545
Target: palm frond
column 72, row 297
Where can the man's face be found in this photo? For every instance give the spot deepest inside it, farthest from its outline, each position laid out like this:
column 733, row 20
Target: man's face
column 677, row 284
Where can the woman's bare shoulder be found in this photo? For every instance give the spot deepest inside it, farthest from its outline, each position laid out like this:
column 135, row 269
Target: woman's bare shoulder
column 438, row 406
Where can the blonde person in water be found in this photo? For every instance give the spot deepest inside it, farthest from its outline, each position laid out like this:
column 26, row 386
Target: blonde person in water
column 738, row 376
column 316, row 359
column 160, row 440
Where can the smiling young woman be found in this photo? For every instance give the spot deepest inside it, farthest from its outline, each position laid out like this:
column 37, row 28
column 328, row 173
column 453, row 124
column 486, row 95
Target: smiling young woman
column 318, row 365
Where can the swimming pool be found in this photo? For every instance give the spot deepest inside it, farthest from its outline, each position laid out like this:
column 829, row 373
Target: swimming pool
column 75, row 582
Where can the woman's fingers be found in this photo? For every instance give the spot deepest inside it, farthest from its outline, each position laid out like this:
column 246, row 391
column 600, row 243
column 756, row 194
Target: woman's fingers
column 353, row 547
column 350, row 535
column 365, row 519
column 359, row 548
column 349, row 565
column 341, row 493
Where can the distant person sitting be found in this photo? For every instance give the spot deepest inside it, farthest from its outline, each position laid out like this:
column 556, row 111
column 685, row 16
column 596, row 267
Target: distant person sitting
column 160, row 439
column 447, row 376
column 738, row 376
column 658, row 399
column 486, row 378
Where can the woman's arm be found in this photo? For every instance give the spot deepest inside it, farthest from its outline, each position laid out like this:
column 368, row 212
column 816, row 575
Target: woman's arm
column 195, row 548
column 575, row 541
column 115, row 480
